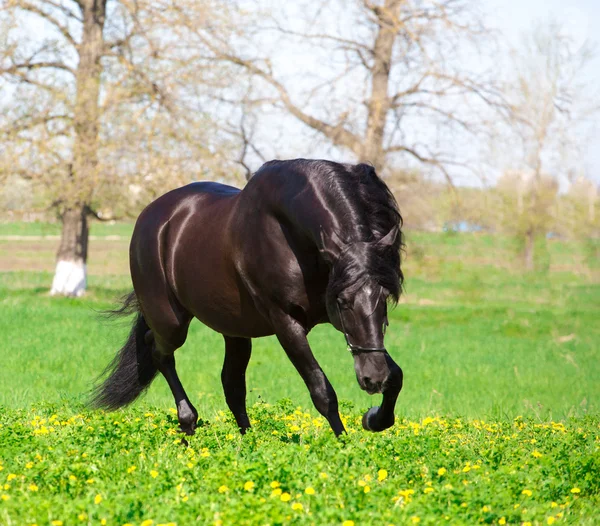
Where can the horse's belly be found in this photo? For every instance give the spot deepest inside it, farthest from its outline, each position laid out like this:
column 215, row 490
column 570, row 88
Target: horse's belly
column 211, row 291
column 230, row 317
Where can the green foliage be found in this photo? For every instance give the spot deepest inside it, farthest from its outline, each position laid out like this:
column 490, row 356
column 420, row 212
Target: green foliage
column 62, row 463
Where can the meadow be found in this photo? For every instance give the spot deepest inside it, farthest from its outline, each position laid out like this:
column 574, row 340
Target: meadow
column 498, row 421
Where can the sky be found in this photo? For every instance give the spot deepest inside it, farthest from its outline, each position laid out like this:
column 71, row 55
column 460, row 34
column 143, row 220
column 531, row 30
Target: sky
column 581, row 19
column 284, row 137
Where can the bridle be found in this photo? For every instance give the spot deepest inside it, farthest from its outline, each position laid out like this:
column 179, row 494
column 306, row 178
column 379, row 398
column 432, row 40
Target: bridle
column 355, row 349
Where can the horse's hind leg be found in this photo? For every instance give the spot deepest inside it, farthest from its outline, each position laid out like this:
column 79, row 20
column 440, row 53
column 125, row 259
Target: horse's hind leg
column 164, row 358
column 233, row 377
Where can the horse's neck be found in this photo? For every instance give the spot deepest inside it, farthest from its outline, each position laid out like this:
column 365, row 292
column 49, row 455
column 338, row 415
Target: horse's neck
column 325, row 225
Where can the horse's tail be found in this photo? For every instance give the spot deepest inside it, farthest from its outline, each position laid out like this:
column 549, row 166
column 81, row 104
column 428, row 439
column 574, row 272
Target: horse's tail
column 132, row 370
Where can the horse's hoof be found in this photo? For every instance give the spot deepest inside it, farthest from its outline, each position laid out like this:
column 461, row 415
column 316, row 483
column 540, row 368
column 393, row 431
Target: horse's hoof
column 187, row 430
column 367, row 420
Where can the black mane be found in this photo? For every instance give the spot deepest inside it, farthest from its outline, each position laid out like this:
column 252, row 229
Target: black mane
column 369, row 212
column 366, row 258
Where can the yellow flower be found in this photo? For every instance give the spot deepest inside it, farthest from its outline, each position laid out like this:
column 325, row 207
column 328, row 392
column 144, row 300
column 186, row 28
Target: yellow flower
column 415, row 519
column 348, row 523
column 5, row 497
column 275, row 484
column 550, row 520
column 131, row 469
column 466, row 469
column 537, row 454
column 29, row 465
column 485, row 509
column 527, row 523
column 428, row 490
column 223, row 489
column 382, row 475
column 103, row 522
column 56, row 523
column 527, row 492
column 362, row 483
column 502, row 521
column 276, row 492
column 89, row 481
column 366, row 489
column 248, row 485
column 72, row 477
column 441, row 471
column 285, row 497
column 153, row 474
column 82, row 516
column 575, row 490
column 33, row 487
column 297, row 506
column 324, row 476
column 147, row 522
column 11, row 476
column 309, row 491
column 98, row 499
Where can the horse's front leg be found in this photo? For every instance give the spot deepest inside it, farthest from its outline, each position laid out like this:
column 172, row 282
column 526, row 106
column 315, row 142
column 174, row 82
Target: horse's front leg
column 292, row 337
column 380, row 418
column 233, row 378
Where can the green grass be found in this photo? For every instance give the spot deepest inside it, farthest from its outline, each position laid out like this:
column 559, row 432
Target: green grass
column 97, row 228
column 75, row 467
column 477, row 340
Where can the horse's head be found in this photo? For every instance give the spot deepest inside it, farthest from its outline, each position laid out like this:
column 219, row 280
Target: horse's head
column 361, row 315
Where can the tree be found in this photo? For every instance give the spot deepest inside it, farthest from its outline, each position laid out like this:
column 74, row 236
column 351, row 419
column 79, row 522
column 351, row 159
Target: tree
column 528, row 209
column 581, row 216
column 402, row 59
column 98, row 102
column 548, row 100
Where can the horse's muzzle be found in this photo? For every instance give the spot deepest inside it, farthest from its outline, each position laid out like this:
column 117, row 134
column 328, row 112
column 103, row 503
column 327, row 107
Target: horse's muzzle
column 370, row 386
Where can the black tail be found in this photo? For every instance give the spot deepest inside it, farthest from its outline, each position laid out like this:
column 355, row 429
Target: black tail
column 132, row 370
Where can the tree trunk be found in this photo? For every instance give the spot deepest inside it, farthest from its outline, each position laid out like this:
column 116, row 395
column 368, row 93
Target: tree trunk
column 70, row 278
column 529, row 250
column 379, row 102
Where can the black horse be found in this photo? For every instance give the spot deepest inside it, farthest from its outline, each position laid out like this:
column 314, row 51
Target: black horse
column 305, row 242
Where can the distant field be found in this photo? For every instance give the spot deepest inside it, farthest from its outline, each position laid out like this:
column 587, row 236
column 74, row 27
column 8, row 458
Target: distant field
column 476, row 338
column 97, row 228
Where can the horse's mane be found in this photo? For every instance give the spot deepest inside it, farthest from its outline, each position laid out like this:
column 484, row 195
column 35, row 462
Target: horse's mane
column 375, row 213
column 367, row 211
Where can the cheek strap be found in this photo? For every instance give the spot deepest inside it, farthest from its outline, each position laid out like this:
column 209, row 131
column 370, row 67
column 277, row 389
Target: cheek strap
column 356, row 349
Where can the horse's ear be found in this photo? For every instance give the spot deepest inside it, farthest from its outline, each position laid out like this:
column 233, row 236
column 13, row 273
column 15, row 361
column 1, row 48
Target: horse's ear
column 389, row 239
column 331, row 244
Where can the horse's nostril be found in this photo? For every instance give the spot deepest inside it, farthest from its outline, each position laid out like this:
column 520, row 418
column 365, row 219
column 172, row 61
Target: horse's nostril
column 370, row 385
